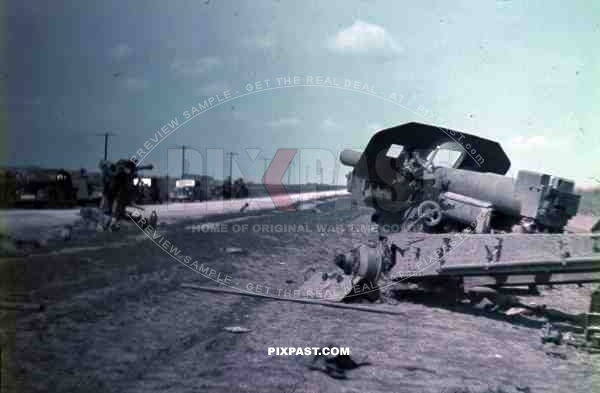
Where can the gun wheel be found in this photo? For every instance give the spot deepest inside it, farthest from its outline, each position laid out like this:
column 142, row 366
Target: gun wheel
column 430, row 212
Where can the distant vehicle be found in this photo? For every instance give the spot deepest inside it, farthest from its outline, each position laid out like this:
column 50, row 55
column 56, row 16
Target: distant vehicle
column 237, row 190
column 147, row 190
column 46, row 188
column 190, row 190
column 240, row 190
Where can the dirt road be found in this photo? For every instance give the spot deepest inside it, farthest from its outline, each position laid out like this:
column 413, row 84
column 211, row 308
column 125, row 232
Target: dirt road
column 116, row 320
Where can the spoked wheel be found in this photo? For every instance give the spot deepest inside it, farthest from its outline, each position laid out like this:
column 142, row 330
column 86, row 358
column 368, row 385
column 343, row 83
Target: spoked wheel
column 430, row 212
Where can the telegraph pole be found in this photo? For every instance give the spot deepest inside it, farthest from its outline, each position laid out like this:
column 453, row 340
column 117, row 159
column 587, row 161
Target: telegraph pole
column 182, row 147
column 106, row 135
column 266, row 160
column 231, row 155
column 320, row 170
column 290, row 170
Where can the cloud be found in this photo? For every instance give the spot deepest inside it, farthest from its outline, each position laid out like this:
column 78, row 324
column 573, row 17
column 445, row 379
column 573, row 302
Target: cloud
column 329, row 123
column 190, row 68
column 528, row 142
column 284, row 122
column 212, row 89
column 120, row 51
column 587, row 185
column 540, row 142
column 363, row 37
column 134, row 84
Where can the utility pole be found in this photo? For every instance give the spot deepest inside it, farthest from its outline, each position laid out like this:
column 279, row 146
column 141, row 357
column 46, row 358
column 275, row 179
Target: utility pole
column 320, row 170
column 290, row 170
column 106, row 135
column 182, row 147
column 266, row 160
column 231, row 155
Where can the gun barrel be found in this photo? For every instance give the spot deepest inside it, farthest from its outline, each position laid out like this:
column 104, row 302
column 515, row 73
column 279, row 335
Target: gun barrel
column 350, row 157
column 490, row 187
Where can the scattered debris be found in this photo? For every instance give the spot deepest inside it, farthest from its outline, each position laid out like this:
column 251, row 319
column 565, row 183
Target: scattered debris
column 293, row 300
column 499, row 389
column 484, row 304
column 308, row 273
column 328, row 286
column 569, row 338
column 237, row 329
column 517, row 311
column 551, row 335
column 335, row 366
column 558, row 355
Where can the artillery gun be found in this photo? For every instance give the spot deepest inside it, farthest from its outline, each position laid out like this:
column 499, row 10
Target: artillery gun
column 118, row 188
column 425, row 178
column 446, row 215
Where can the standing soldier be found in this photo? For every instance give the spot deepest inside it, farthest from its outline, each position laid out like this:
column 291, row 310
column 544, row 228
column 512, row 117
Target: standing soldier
column 155, row 190
column 121, row 189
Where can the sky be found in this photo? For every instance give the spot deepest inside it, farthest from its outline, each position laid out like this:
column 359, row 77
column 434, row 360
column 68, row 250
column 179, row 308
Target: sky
column 524, row 73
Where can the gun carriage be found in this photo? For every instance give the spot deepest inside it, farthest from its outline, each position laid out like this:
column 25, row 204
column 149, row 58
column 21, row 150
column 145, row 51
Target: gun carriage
column 447, row 215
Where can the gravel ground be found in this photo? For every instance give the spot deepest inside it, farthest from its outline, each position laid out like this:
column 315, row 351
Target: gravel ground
column 117, row 320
